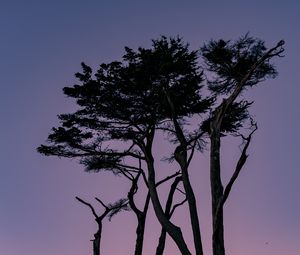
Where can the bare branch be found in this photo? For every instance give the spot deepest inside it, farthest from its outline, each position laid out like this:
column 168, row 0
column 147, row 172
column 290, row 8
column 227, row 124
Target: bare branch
column 239, row 166
column 173, row 188
column 89, row 205
column 177, row 205
column 132, row 192
column 241, row 162
column 166, row 129
column 100, row 201
column 126, row 173
column 167, row 178
column 192, row 153
column 129, row 168
column 182, row 192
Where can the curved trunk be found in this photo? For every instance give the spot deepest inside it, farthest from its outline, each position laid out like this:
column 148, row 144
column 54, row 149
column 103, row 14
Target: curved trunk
column 163, row 234
column 171, row 229
column 141, row 216
column 140, row 230
column 193, row 212
column 181, row 158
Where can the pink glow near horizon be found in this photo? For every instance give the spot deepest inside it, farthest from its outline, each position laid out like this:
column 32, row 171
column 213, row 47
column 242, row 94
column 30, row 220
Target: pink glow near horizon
column 42, row 47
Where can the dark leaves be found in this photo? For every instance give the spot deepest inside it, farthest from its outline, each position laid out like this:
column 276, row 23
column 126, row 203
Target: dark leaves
column 117, row 207
column 123, row 100
column 101, row 162
column 233, row 119
column 229, row 62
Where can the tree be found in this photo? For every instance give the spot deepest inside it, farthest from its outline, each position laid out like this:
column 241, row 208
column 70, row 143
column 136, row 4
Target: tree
column 169, row 210
column 110, row 211
column 142, row 214
column 236, row 66
column 124, row 105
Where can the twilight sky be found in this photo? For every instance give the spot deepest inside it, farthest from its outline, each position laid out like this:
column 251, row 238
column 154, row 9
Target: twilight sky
column 42, row 45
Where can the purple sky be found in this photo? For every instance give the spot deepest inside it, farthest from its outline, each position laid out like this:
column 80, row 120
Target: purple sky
column 42, row 45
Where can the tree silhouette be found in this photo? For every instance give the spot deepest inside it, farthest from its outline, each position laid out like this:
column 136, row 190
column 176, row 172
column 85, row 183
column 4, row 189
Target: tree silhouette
column 110, row 211
column 169, row 210
column 124, row 105
column 142, row 214
column 235, row 66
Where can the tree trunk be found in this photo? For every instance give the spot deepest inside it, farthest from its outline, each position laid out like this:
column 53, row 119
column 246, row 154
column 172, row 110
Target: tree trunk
column 140, row 230
column 193, row 212
column 181, row 158
column 141, row 216
column 216, row 194
column 161, row 242
column 96, row 241
column 162, row 238
column 172, row 230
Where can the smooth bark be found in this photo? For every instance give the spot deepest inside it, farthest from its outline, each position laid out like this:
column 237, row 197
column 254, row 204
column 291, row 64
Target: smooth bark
column 141, row 216
column 217, row 190
column 182, row 160
column 162, row 238
column 98, row 219
column 216, row 195
column 97, row 240
column 173, row 230
column 181, row 157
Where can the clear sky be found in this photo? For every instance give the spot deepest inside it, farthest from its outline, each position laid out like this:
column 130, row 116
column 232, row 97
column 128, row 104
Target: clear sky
column 42, row 45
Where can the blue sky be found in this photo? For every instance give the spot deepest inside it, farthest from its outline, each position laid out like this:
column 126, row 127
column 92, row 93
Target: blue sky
column 42, row 45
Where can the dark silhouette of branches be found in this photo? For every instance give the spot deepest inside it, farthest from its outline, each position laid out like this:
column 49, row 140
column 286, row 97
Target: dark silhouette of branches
column 124, row 105
column 109, row 210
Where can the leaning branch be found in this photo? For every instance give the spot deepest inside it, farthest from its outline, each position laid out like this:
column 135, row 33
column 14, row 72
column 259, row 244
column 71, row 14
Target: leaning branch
column 241, row 162
column 131, row 193
column 192, row 153
column 222, row 108
column 100, row 201
column 177, row 205
column 167, row 178
column 275, row 51
column 89, row 205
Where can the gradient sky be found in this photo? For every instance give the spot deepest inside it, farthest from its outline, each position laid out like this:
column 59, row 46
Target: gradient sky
column 42, row 45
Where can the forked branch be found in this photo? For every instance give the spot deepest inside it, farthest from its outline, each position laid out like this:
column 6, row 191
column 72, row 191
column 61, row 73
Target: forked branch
column 240, row 163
